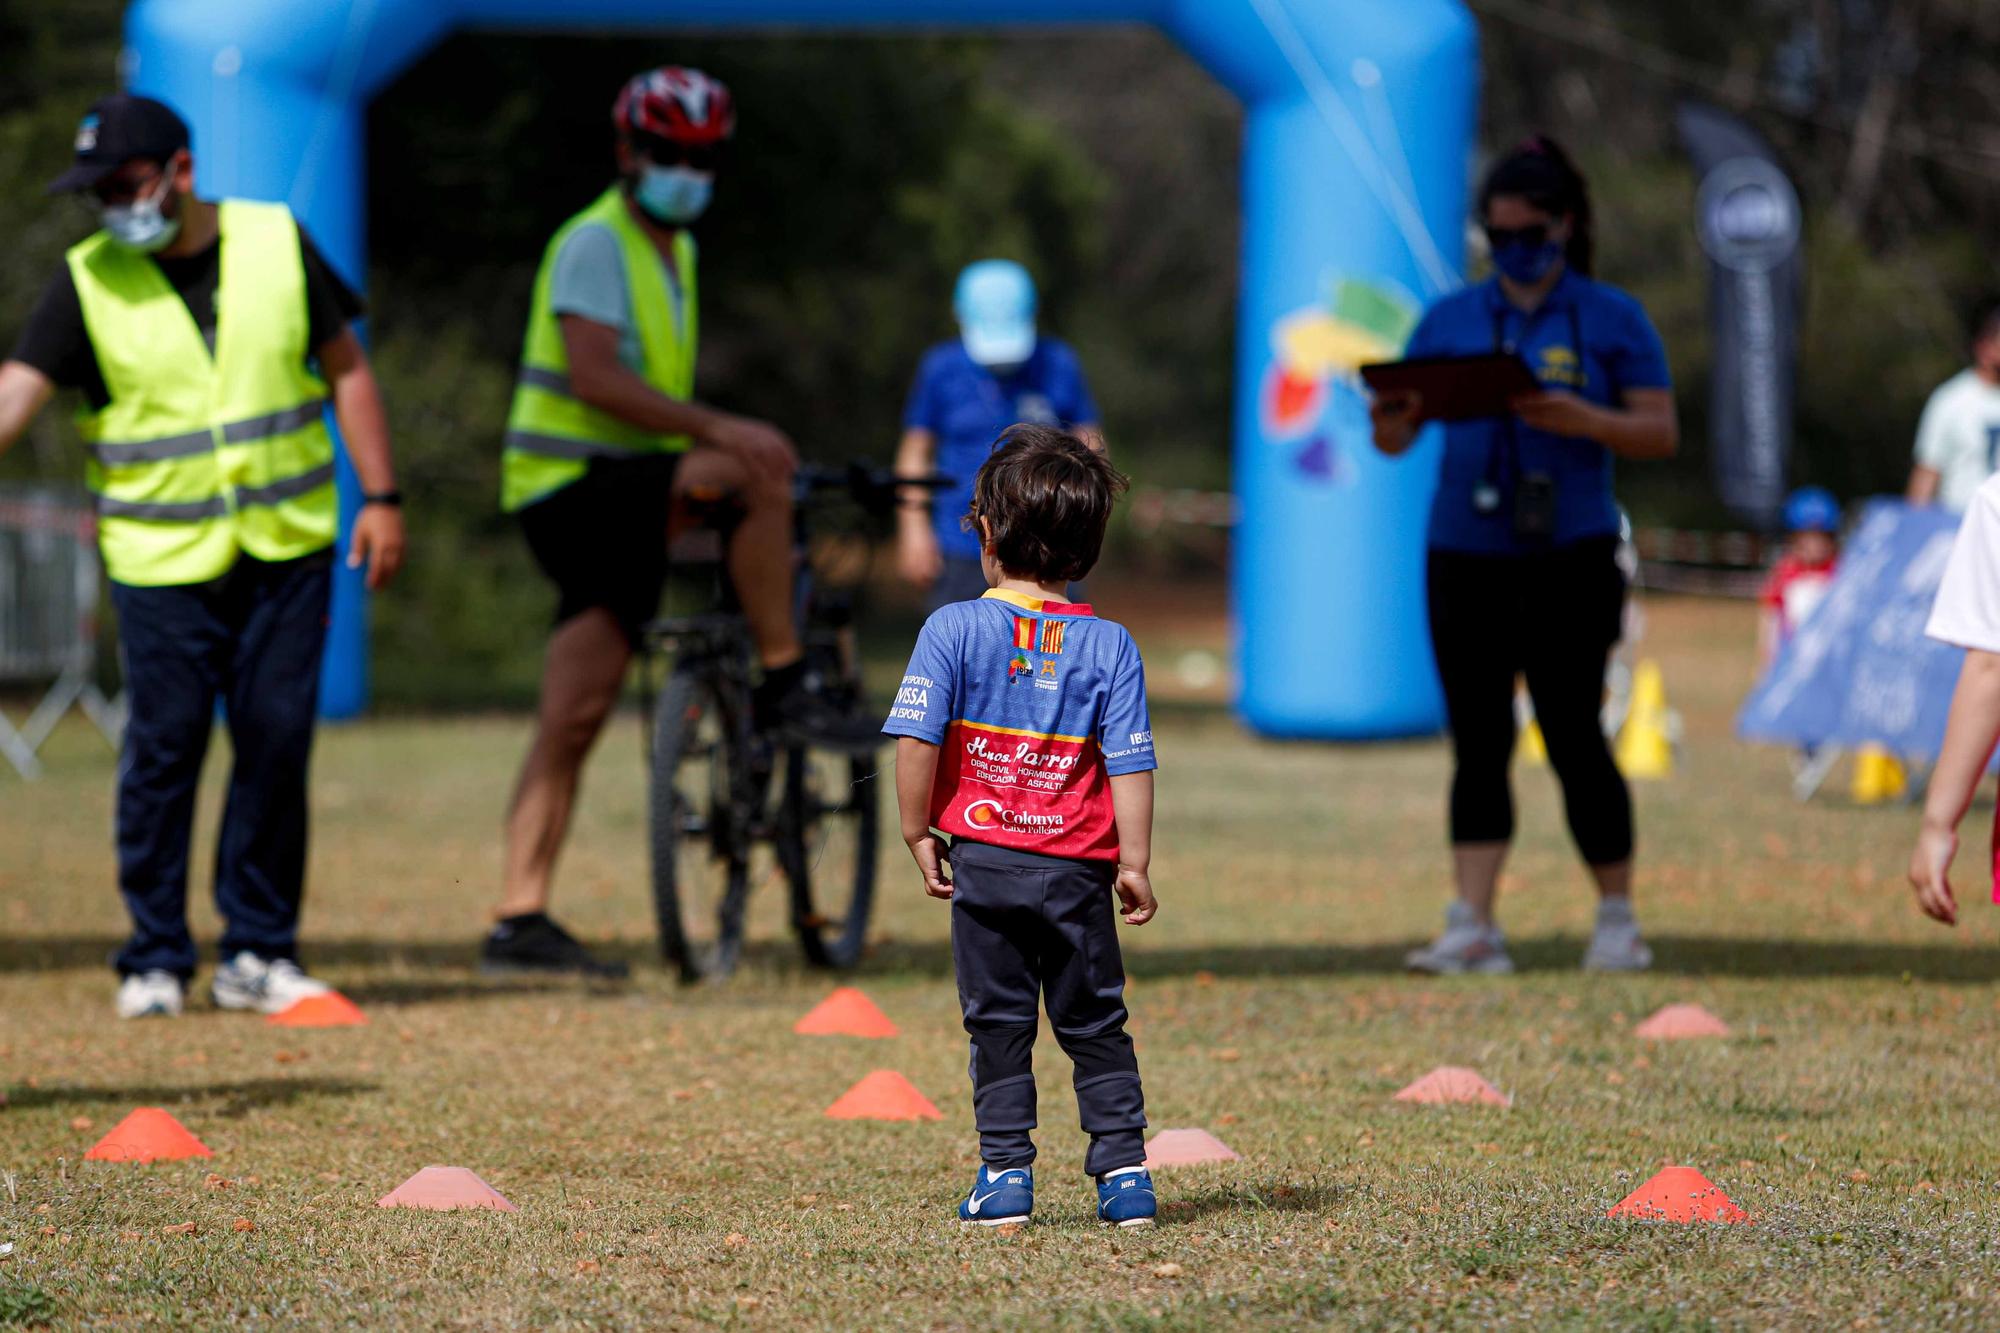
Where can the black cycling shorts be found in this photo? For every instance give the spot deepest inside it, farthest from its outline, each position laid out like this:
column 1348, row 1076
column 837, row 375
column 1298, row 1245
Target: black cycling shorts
column 602, row 539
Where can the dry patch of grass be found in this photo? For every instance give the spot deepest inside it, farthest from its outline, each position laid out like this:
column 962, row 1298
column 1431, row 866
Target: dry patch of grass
column 666, row 1149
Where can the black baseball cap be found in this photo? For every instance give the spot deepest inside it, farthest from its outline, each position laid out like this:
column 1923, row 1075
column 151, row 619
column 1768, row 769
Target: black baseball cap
column 116, row 130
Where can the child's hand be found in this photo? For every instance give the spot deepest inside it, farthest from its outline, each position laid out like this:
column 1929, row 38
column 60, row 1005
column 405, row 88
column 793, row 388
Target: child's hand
column 1135, row 891
column 929, row 851
column 1930, row 872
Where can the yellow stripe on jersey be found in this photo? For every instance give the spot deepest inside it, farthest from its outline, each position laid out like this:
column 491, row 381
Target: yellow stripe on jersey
column 1017, row 731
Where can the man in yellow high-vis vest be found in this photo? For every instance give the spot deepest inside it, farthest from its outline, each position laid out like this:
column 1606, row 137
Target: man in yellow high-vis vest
column 602, row 429
column 207, row 341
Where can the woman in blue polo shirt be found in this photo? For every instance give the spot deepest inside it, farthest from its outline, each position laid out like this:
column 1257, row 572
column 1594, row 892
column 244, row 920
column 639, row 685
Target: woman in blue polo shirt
column 998, row 372
column 1523, row 577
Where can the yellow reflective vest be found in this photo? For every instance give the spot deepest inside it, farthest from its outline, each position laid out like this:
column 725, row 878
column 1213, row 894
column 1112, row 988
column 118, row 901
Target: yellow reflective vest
column 199, row 455
column 551, row 434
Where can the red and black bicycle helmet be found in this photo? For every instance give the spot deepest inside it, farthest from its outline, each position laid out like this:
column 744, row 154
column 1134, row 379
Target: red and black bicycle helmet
column 680, row 105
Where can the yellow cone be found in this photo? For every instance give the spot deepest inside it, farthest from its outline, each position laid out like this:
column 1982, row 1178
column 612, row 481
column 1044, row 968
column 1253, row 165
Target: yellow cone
column 1879, row 777
column 1533, row 749
column 1645, row 747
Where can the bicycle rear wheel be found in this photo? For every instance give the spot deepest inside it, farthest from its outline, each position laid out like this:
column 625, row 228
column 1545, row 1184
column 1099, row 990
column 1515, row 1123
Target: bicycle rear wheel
column 828, row 826
column 700, row 812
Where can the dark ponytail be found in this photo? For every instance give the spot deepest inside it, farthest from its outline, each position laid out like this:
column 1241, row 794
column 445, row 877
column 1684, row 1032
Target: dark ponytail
column 1540, row 172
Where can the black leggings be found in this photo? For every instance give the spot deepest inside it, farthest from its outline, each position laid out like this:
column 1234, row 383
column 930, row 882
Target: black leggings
column 1552, row 616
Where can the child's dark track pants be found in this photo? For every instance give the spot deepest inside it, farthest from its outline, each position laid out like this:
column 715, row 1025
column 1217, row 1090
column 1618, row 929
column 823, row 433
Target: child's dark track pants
column 1026, row 927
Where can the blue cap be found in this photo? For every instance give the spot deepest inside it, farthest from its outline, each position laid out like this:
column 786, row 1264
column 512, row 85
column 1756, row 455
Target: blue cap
column 1812, row 509
column 995, row 305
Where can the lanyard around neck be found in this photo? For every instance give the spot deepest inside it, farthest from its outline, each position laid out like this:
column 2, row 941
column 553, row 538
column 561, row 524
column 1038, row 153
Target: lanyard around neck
column 1503, row 455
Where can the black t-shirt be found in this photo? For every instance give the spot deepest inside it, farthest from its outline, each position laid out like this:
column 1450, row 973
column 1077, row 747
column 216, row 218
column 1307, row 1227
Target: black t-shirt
column 56, row 342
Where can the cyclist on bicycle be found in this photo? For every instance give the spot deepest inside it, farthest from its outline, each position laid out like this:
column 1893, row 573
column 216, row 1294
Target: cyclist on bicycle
column 603, row 431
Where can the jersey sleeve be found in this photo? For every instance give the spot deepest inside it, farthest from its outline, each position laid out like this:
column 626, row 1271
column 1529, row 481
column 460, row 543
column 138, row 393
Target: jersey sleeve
column 1934, row 430
column 1637, row 359
column 589, row 278
column 927, row 699
column 920, row 410
column 1772, row 595
column 1967, row 610
column 54, row 340
column 1076, row 406
column 1125, row 730
column 1425, row 339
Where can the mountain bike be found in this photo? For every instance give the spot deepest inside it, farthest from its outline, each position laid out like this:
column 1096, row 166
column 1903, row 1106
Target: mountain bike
column 719, row 788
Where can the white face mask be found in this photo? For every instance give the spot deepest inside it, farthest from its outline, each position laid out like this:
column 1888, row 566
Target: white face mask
column 140, row 225
column 674, row 196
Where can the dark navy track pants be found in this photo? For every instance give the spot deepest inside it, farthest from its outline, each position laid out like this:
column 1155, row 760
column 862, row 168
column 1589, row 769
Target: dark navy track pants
column 250, row 640
column 1028, row 928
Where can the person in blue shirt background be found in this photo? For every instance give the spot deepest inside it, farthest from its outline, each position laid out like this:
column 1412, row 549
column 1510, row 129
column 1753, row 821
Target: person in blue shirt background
column 1523, row 539
column 998, row 372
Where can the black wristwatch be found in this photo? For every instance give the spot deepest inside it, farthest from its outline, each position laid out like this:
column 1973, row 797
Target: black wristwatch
column 394, row 499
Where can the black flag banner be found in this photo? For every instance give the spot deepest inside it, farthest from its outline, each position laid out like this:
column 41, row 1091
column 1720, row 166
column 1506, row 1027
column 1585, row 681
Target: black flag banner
column 1747, row 216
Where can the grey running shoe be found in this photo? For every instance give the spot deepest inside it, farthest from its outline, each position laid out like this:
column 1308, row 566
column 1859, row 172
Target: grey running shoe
column 1467, row 945
column 1615, row 945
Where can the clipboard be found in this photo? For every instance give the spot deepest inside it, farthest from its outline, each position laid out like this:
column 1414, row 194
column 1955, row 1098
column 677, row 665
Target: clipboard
column 1456, row 388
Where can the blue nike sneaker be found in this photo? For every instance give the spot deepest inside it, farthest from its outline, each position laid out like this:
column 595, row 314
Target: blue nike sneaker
column 1125, row 1198
column 998, row 1197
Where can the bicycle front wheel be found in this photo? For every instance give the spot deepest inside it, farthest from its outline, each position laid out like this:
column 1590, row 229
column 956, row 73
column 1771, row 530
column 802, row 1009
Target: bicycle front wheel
column 700, row 812
column 828, row 830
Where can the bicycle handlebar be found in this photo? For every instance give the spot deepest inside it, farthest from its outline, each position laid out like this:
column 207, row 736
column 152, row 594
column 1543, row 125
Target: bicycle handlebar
column 873, row 488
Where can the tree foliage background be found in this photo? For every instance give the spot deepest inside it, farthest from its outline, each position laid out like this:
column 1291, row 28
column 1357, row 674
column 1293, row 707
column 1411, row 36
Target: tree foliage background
column 867, row 170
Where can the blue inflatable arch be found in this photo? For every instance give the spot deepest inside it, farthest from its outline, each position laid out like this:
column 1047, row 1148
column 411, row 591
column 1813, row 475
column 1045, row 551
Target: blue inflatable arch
column 1359, row 124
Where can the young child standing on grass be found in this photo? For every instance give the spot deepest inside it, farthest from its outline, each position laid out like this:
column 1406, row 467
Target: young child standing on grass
column 1802, row 576
column 1023, row 734
column 1967, row 614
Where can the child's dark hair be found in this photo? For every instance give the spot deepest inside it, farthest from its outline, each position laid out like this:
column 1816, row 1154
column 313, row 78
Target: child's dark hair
column 1046, row 496
column 1540, row 172
column 1983, row 321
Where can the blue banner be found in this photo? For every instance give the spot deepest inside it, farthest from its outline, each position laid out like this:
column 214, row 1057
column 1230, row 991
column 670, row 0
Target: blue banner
column 1860, row 670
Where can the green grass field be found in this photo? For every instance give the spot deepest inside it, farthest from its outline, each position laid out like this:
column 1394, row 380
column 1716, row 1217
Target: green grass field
column 668, row 1155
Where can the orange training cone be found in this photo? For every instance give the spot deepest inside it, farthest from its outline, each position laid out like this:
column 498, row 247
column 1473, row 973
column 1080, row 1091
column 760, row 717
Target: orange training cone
column 147, row 1135
column 443, row 1188
column 1679, row 1194
column 845, row 1013
column 1186, row 1147
column 331, row 1010
column 1451, row 1083
column 1678, row 1022
column 884, row 1095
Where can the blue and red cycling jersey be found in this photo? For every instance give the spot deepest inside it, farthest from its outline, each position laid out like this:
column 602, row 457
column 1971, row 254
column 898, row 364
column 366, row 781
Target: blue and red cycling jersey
column 1034, row 706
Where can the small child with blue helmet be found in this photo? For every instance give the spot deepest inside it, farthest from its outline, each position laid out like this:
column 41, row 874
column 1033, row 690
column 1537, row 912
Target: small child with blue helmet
column 1800, row 579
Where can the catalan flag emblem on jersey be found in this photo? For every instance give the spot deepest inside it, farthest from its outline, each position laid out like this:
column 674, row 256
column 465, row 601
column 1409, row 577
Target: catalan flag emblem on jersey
column 1052, row 637
column 1024, row 632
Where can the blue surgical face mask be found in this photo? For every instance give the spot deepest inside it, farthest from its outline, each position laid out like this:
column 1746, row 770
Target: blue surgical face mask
column 673, row 196
column 141, row 225
column 1526, row 262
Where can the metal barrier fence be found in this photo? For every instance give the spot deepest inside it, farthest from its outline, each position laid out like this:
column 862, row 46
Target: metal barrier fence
column 49, row 589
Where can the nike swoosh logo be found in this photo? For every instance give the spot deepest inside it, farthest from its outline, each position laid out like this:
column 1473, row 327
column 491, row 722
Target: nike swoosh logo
column 977, row 1200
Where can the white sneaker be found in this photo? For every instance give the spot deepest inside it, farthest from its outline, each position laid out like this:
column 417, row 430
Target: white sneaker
column 268, row 985
column 150, row 995
column 1467, row 945
column 1615, row 945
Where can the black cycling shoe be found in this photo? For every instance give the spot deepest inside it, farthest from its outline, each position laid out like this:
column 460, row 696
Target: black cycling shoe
column 803, row 715
column 533, row 944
